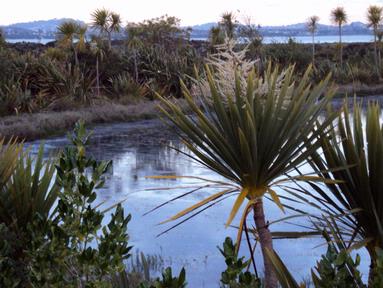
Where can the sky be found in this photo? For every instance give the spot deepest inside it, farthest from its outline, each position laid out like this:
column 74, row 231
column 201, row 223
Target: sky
column 263, row 12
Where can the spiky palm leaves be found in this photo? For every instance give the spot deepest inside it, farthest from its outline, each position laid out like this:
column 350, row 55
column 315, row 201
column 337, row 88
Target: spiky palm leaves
column 70, row 31
column 26, row 186
column 29, row 191
column 100, row 20
column 253, row 140
column 216, row 36
column 312, row 24
column 229, row 24
column 374, row 19
column 355, row 155
column 81, row 34
column 9, row 153
column 339, row 17
column 67, row 32
column 312, row 27
column 107, row 22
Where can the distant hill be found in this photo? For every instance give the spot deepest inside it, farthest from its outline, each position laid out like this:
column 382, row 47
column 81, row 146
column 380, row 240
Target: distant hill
column 205, row 26
column 47, row 29
column 35, row 29
column 298, row 29
column 44, row 25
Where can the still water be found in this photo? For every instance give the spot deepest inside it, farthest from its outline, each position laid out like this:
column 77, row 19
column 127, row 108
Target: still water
column 142, row 149
column 266, row 39
column 321, row 39
column 41, row 41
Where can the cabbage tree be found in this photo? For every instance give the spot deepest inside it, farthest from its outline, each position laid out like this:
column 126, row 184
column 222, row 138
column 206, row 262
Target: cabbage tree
column 374, row 19
column 339, row 17
column 72, row 34
column 252, row 137
column 312, row 27
column 106, row 22
column 354, row 154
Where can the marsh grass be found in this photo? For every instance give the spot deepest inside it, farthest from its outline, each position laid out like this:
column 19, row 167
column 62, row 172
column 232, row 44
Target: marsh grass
column 39, row 125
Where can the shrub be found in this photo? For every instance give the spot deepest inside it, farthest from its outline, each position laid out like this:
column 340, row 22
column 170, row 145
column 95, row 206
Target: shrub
column 234, row 275
column 126, row 89
column 44, row 247
column 287, row 54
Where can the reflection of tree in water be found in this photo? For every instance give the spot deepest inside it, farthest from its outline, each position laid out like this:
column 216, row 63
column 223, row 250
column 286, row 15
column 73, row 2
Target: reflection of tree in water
column 132, row 163
column 163, row 158
column 149, row 149
column 136, row 152
column 157, row 156
column 116, row 141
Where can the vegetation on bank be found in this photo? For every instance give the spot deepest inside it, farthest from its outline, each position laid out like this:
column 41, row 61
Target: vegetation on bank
column 75, row 72
column 243, row 117
column 256, row 133
column 53, row 232
column 272, row 140
column 51, row 222
column 31, row 126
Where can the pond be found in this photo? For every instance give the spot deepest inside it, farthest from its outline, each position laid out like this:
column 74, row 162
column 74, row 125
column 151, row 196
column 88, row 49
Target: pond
column 142, row 149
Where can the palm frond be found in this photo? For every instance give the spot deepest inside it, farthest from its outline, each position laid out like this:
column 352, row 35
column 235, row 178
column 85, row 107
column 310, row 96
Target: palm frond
column 358, row 148
column 31, row 190
column 257, row 133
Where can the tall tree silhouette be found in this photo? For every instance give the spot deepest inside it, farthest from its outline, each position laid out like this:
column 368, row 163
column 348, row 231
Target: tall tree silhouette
column 339, row 17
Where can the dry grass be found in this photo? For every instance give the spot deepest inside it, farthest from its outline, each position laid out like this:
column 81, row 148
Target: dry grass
column 39, row 125
column 47, row 124
column 359, row 89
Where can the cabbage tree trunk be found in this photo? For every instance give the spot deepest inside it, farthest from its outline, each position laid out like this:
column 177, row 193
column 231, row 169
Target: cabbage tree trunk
column 341, row 45
column 313, row 49
column 110, row 40
column 97, row 77
column 266, row 242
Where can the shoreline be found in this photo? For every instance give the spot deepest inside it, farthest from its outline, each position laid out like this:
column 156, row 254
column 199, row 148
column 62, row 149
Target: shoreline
column 29, row 127
column 362, row 90
column 306, row 38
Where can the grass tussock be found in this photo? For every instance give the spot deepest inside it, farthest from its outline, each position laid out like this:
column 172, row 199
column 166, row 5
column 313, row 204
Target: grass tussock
column 38, row 125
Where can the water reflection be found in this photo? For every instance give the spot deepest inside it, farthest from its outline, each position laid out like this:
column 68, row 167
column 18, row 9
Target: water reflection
column 142, row 149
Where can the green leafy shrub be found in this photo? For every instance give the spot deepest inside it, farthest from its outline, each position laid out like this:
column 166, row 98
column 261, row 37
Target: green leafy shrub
column 80, row 222
column 378, row 269
column 288, row 53
column 233, row 276
column 168, row 280
column 68, row 244
column 337, row 269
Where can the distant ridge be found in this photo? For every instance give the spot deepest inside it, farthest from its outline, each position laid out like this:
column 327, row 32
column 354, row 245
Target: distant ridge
column 47, row 29
column 45, row 25
column 35, row 29
column 205, row 26
column 298, row 29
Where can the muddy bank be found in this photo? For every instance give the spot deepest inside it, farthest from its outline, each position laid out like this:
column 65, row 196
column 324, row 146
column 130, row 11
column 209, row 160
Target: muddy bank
column 29, row 127
column 43, row 125
column 361, row 90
